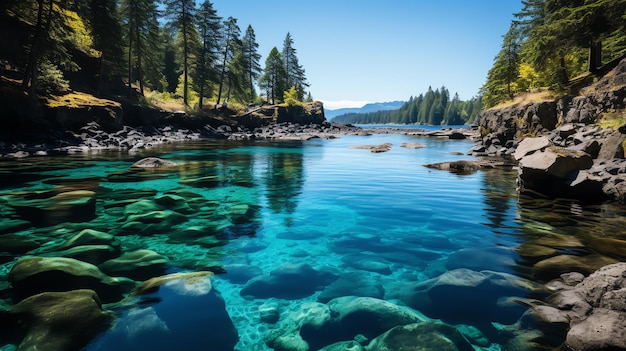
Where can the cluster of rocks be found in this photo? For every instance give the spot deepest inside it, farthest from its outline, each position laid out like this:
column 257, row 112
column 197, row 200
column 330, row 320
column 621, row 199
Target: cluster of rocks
column 561, row 149
column 573, row 165
column 588, row 313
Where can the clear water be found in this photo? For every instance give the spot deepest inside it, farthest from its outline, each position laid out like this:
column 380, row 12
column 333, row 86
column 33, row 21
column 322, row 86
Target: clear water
column 381, row 222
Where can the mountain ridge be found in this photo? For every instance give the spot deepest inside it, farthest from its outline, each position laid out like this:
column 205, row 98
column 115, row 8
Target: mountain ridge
column 367, row 108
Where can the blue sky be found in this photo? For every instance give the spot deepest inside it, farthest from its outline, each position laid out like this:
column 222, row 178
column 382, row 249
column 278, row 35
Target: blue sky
column 360, row 51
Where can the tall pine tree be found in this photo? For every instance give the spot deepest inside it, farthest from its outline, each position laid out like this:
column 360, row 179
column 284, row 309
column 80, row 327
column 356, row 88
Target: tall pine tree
column 251, row 60
column 182, row 15
column 209, row 26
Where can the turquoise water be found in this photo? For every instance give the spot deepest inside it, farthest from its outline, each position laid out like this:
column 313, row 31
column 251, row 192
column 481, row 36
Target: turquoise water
column 289, row 226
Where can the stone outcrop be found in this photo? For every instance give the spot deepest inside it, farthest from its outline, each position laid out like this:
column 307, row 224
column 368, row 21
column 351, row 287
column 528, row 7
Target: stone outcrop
column 591, row 312
column 562, row 151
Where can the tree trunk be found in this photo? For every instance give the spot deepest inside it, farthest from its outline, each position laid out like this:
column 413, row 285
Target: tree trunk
column 130, row 63
column 31, row 67
column 595, row 57
column 185, row 65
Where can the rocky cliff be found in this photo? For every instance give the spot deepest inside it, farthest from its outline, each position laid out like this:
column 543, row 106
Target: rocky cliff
column 569, row 146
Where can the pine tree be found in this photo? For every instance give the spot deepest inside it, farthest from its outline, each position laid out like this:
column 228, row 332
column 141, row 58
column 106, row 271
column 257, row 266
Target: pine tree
column 182, row 15
column 102, row 16
column 274, row 78
column 251, row 58
column 230, row 42
column 56, row 24
column 140, row 19
column 209, row 25
column 295, row 74
column 505, row 70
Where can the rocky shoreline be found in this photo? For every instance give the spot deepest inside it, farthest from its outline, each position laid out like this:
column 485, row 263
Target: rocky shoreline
column 93, row 137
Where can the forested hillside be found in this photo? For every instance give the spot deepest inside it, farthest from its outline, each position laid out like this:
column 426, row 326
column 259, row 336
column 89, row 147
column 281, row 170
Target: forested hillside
column 433, row 108
column 556, row 45
column 173, row 49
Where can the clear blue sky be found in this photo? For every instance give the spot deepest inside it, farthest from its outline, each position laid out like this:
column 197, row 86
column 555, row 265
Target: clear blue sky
column 360, row 51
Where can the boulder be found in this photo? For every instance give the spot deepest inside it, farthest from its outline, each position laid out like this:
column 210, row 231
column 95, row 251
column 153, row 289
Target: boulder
column 153, row 162
column 470, row 297
column 529, row 146
column 155, row 222
column 94, row 254
column 413, row 145
column 60, row 321
column 554, row 161
column 426, row 336
column 553, row 267
column 92, row 237
column 33, row 275
column 289, row 281
column 602, row 330
column 352, row 284
column 50, row 207
column 137, row 265
column 346, row 317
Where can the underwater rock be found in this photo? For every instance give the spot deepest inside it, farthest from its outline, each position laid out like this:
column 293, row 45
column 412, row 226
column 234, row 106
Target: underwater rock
column 33, row 275
column 374, row 148
column 241, row 273
column 470, row 297
column 480, row 259
column 94, row 254
column 353, row 284
column 343, row 346
column 269, row 313
column 155, row 222
column 50, row 208
column 289, row 281
column 367, row 262
column 60, row 321
column 153, row 162
column 142, row 206
column 429, row 336
column 608, row 246
column 137, row 265
column 174, row 312
column 8, row 225
column 17, row 244
column 92, row 237
column 553, row 267
column 174, row 203
column 346, row 317
column 413, row 145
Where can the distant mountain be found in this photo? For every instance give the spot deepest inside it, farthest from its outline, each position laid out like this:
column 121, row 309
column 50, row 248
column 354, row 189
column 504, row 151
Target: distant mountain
column 373, row 107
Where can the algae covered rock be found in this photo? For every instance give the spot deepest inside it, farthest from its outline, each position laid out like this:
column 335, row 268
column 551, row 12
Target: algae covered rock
column 33, row 275
column 153, row 162
column 428, row 336
column 137, row 265
column 60, row 321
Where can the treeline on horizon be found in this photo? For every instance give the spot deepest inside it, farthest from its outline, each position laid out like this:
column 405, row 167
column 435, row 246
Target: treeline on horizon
column 174, row 47
column 431, row 108
column 552, row 44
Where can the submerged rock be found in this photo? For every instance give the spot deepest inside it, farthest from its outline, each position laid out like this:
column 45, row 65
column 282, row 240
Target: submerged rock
column 137, row 265
column 471, row 297
column 289, row 281
column 33, row 275
column 429, row 336
column 153, row 162
column 60, row 321
column 50, row 207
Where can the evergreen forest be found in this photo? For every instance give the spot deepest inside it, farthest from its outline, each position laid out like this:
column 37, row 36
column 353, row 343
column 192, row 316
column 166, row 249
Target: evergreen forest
column 558, row 46
column 171, row 49
column 431, row 108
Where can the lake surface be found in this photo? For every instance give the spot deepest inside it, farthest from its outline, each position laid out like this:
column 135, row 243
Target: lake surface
column 289, row 226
